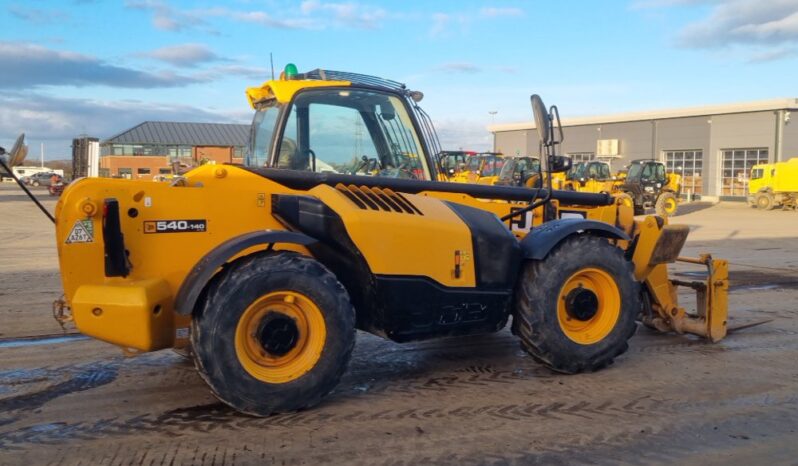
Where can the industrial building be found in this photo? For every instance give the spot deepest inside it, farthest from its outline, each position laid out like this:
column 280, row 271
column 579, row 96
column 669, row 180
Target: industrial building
column 712, row 147
column 151, row 148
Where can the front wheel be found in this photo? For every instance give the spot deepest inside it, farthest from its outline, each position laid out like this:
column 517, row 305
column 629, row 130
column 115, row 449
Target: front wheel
column 576, row 309
column 274, row 334
column 765, row 201
column 666, row 204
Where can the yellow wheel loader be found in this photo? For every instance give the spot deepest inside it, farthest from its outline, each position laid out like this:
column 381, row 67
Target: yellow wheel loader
column 265, row 272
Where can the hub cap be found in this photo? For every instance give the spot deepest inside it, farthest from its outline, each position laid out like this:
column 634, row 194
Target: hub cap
column 280, row 337
column 589, row 306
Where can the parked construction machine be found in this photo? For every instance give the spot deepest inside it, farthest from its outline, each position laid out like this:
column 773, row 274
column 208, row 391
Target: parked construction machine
column 520, row 171
column 593, row 176
column 774, row 185
column 647, row 183
column 266, row 272
column 452, row 162
column 482, row 168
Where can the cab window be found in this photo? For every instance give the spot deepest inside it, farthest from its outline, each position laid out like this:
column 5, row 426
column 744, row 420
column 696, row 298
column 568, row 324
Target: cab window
column 757, row 173
column 648, row 172
column 660, row 172
column 351, row 132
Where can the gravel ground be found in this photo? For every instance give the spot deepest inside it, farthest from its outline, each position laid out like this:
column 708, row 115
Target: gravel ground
column 69, row 400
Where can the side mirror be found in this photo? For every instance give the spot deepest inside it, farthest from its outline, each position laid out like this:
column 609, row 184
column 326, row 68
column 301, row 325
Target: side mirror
column 559, row 163
column 18, row 152
column 542, row 119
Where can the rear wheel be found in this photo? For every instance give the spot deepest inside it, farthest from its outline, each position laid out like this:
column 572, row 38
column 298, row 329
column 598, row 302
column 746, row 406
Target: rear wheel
column 765, row 201
column 575, row 310
column 666, row 204
column 275, row 333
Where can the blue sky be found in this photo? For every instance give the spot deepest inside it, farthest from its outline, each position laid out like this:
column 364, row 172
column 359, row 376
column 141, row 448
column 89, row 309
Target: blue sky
column 100, row 67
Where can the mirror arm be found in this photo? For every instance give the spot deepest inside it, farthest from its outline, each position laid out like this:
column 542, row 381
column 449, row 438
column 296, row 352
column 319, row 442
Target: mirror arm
column 25, row 188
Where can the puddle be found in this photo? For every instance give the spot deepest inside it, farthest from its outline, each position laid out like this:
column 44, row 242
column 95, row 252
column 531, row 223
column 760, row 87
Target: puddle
column 48, row 340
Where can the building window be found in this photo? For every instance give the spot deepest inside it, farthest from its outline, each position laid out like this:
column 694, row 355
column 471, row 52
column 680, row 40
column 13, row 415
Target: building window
column 238, row 152
column 143, row 171
column 124, row 172
column 689, row 164
column 165, row 171
column 577, row 157
column 737, row 164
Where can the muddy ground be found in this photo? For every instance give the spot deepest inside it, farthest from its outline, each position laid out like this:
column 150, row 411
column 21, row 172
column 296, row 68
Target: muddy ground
column 68, row 400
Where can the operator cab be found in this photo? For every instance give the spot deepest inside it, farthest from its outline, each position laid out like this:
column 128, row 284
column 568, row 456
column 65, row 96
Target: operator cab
column 339, row 128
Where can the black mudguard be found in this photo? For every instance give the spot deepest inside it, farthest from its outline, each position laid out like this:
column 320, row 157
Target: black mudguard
column 541, row 240
column 204, row 270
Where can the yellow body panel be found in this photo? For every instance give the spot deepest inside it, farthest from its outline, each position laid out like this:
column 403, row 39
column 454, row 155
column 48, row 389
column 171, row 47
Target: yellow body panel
column 780, row 177
column 284, row 90
column 134, row 314
column 395, row 243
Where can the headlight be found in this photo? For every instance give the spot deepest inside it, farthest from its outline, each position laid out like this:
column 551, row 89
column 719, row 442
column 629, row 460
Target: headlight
column 649, row 189
column 659, row 185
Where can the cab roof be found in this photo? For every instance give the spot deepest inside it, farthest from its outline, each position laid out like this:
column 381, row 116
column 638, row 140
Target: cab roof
column 283, row 90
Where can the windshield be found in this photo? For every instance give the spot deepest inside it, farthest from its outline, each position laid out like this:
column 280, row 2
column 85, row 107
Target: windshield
column 261, row 136
column 350, row 131
column 599, row 171
column 576, row 172
column 517, row 166
column 634, row 171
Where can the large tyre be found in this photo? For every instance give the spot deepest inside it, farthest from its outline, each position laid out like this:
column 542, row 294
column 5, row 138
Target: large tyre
column 765, row 201
column 575, row 310
column 666, row 204
column 274, row 334
column 36, row 184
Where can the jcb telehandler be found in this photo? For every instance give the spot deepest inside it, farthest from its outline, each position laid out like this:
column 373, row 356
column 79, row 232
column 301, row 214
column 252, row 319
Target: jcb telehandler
column 266, row 272
column 590, row 177
column 647, row 183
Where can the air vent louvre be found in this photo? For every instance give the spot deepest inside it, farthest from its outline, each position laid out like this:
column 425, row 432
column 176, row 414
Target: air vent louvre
column 382, row 199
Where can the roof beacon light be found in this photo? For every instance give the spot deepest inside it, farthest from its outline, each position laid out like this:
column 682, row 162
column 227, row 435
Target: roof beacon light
column 290, row 71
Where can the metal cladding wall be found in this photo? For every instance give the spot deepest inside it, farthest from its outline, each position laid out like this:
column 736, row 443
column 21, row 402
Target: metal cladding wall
column 744, row 130
column 773, row 130
column 514, row 143
column 789, row 136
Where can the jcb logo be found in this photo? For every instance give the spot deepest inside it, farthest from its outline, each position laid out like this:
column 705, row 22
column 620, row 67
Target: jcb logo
column 520, row 222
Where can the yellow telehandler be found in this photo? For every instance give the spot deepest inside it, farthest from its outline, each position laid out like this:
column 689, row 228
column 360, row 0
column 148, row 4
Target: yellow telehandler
column 265, row 272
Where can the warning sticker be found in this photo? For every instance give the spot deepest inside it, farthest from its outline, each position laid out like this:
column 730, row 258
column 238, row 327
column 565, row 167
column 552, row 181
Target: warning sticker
column 82, row 232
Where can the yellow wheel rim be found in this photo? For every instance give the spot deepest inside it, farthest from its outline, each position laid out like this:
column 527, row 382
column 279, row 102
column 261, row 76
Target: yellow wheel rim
column 280, row 337
column 670, row 206
column 588, row 306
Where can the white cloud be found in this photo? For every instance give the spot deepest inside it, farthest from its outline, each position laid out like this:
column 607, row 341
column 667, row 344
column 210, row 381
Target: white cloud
column 37, row 15
column 351, row 14
column 28, row 65
column 460, row 67
column 772, row 55
column 183, row 55
column 744, row 22
column 493, row 12
column 56, row 120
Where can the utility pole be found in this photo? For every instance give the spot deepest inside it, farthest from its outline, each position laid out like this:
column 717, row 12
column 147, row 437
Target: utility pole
column 41, row 152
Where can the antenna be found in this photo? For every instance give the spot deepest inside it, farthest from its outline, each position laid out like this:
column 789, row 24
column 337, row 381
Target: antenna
column 271, row 62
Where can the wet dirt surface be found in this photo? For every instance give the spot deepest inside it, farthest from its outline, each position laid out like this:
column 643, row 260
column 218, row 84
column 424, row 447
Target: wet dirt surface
column 470, row 400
